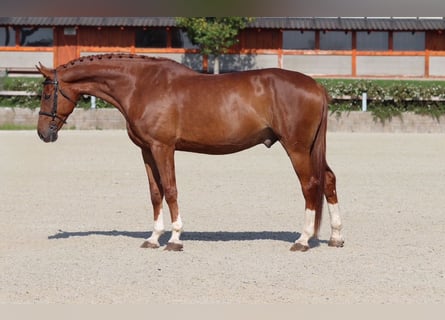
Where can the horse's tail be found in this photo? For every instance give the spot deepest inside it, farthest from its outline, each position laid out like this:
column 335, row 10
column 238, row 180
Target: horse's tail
column 318, row 158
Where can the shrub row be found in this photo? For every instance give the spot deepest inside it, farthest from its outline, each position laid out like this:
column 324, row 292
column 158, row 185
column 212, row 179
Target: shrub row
column 34, row 86
column 389, row 99
column 385, row 99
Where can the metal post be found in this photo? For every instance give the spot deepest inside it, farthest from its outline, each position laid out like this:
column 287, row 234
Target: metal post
column 364, row 101
column 93, row 102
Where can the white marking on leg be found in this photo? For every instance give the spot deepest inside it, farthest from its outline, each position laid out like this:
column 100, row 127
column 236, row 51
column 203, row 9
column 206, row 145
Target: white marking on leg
column 336, row 226
column 308, row 229
column 176, row 231
column 158, row 230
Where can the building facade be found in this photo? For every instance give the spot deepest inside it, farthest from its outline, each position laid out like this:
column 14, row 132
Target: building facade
column 331, row 47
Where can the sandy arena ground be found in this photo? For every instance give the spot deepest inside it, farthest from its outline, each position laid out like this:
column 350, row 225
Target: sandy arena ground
column 74, row 213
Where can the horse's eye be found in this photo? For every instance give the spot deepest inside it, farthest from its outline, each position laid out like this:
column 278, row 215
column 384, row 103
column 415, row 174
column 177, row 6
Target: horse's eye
column 46, row 96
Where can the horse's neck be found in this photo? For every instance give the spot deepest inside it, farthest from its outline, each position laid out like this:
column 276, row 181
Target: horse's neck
column 107, row 82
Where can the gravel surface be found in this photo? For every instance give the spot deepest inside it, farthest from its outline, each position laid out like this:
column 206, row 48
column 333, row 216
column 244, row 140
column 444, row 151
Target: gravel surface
column 73, row 214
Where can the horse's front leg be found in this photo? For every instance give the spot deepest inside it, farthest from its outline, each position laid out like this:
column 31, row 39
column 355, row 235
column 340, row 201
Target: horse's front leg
column 156, row 195
column 164, row 158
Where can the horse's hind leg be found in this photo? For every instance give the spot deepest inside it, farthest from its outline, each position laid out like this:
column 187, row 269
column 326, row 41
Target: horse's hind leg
column 156, row 195
column 302, row 164
column 336, row 239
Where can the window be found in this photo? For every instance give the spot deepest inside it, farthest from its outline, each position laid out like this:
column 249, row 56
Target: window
column 299, row 40
column 372, row 41
column 151, row 38
column 181, row 40
column 409, row 41
column 335, row 40
column 7, row 37
column 36, row 37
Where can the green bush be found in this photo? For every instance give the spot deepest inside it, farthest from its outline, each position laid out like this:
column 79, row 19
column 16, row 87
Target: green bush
column 387, row 99
column 34, row 85
column 30, row 85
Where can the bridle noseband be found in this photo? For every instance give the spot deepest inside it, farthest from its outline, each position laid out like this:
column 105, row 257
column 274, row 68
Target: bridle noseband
column 53, row 114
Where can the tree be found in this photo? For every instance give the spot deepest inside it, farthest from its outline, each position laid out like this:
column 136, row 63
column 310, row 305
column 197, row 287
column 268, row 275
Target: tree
column 214, row 35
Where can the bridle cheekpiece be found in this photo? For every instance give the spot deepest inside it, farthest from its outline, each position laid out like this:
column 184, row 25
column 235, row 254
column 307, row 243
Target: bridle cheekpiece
column 53, row 114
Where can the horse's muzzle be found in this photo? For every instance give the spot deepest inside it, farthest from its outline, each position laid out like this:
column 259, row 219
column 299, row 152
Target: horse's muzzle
column 50, row 135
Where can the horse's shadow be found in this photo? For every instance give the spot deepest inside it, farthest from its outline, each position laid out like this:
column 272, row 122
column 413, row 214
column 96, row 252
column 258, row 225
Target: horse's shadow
column 215, row 236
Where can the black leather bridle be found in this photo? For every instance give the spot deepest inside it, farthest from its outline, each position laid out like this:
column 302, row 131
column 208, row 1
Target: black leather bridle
column 53, row 114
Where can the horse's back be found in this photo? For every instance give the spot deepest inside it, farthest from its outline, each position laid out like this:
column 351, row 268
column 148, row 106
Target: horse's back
column 228, row 112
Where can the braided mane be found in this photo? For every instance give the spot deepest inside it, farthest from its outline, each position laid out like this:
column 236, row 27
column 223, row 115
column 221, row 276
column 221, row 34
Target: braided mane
column 113, row 56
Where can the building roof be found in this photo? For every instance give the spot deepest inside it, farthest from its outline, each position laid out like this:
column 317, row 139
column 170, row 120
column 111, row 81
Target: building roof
column 315, row 23
column 89, row 21
column 341, row 23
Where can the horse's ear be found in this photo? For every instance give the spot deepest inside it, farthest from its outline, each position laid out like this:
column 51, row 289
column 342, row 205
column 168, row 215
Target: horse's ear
column 46, row 72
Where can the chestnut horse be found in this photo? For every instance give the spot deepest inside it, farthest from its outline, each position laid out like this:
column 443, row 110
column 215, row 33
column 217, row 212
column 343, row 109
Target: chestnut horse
column 169, row 107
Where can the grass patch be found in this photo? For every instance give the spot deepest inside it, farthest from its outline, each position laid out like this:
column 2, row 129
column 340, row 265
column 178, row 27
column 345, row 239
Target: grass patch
column 12, row 126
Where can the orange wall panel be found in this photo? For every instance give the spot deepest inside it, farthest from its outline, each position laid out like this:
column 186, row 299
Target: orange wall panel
column 65, row 47
column 435, row 41
column 106, row 37
column 260, row 39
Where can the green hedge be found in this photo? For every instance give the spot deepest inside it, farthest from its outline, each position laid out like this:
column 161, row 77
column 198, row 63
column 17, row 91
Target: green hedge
column 34, row 85
column 386, row 98
column 31, row 85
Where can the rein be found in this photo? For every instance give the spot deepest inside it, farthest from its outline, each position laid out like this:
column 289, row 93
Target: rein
column 53, row 114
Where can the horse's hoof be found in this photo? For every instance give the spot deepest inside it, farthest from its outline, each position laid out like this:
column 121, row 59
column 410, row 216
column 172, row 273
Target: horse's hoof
column 150, row 245
column 299, row 247
column 336, row 243
column 171, row 246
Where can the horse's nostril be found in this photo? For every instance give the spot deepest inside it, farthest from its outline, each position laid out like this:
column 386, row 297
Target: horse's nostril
column 53, row 126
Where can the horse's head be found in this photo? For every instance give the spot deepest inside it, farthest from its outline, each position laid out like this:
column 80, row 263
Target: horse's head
column 57, row 103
